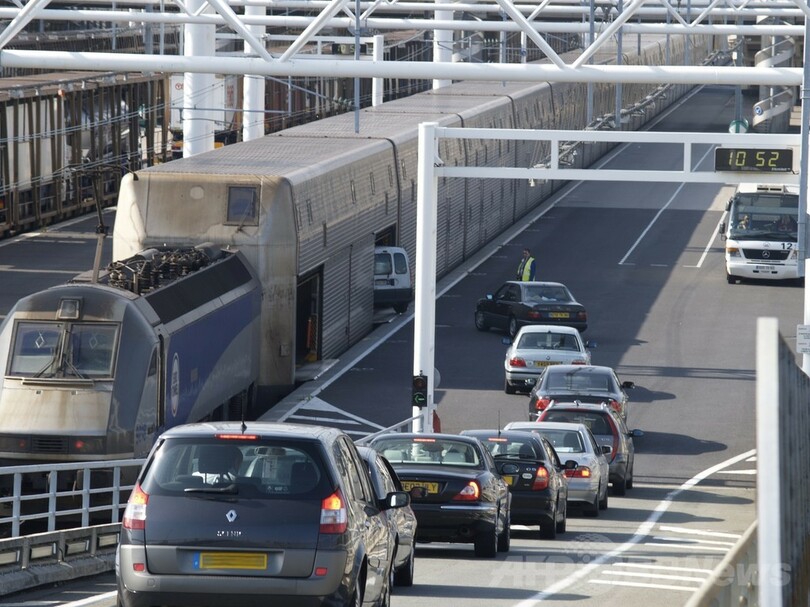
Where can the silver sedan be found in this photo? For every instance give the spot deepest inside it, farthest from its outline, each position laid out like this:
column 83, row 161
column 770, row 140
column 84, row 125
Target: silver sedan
column 588, row 482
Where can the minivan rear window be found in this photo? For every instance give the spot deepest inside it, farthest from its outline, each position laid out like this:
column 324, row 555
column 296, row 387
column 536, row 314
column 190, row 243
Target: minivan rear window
column 265, row 469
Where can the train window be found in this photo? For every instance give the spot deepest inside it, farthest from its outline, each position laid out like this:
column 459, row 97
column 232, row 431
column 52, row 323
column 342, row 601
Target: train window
column 242, row 205
column 371, row 183
column 91, row 350
column 35, row 348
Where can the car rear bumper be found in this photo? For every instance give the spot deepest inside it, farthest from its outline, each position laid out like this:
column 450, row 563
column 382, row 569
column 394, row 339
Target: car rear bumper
column 141, row 589
column 452, row 523
column 582, row 490
column 532, row 507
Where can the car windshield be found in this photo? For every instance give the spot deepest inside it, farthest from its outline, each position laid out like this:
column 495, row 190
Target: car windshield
column 547, row 341
column 577, row 380
column 543, row 294
column 505, row 448
column 271, row 469
column 596, row 421
column 428, row 450
column 564, row 441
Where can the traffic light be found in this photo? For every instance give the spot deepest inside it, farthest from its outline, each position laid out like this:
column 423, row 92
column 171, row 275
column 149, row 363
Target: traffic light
column 419, row 391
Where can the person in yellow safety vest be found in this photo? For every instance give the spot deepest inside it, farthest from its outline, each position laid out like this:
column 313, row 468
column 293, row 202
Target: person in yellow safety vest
column 527, row 267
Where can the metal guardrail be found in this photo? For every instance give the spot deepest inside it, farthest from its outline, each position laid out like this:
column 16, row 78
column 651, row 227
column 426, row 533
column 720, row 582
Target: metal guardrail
column 40, row 498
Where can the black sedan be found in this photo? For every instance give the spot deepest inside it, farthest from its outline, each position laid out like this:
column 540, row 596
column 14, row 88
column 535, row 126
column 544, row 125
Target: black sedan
column 516, row 304
column 536, row 477
column 463, row 497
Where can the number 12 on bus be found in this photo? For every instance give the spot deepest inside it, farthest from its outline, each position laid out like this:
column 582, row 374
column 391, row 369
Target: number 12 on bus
column 774, row 160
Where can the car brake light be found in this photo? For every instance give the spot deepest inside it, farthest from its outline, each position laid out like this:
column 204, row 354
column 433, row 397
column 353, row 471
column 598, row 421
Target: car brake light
column 582, row 316
column 470, row 493
column 615, row 405
column 135, row 513
column 541, row 403
column 579, row 472
column 540, row 479
column 334, row 517
column 579, row 362
column 534, row 315
column 517, row 362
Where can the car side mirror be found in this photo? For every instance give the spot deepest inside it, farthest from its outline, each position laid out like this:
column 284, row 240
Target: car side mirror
column 627, row 385
column 607, row 449
column 506, row 341
column 571, row 464
column 590, row 344
column 489, row 296
column 636, row 433
column 397, row 499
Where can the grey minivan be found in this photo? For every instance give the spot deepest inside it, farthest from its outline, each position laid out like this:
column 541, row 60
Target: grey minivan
column 251, row 514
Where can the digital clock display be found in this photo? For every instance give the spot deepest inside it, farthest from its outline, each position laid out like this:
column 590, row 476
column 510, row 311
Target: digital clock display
column 754, row 159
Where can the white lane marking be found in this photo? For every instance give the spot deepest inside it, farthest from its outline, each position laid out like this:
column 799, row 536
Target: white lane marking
column 642, row 585
column 660, row 211
column 744, row 472
column 92, row 600
column 708, row 246
column 658, row 576
column 664, row 567
column 687, row 531
column 691, row 541
column 686, row 545
column 642, row 532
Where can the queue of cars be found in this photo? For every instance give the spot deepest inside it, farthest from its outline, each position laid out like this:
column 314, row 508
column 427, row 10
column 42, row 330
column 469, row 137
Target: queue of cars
column 301, row 515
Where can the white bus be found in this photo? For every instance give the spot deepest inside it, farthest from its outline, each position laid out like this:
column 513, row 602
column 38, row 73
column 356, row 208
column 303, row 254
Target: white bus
column 761, row 233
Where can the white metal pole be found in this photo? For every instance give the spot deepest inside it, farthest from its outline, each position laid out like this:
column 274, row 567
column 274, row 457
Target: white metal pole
column 804, row 163
column 198, row 125
column 378, row 84
column 442, row 44
column 424, row 318
column 254, row 86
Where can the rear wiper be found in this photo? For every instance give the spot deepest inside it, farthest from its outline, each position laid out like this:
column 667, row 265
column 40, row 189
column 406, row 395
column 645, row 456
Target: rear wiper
column 231, row 489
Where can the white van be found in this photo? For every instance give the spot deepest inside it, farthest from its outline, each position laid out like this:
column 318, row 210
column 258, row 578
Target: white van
column 761, row 235
column 393, row 286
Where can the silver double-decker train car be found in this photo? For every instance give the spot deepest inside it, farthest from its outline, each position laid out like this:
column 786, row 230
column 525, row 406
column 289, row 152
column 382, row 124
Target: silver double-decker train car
column 307, row 205
column 96, row 370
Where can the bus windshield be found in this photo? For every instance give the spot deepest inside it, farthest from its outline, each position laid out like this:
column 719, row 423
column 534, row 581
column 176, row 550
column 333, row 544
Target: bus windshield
column 764, row 217
column 64, row 349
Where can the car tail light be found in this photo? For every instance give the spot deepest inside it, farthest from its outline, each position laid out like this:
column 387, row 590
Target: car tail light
column 534, row 315
column 615, row 432
column 540, row 479
column 541, row 403
column 582, row 316
column 615, row 405
column 135, row 513
column 579, row 472
column 517, row 362
column 334, row 516
column 470, row 493
column 579, row 362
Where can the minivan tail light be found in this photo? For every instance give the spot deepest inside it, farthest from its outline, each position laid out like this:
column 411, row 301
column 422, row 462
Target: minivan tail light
column 470, row 493
column 334, row 516
column 135, row 513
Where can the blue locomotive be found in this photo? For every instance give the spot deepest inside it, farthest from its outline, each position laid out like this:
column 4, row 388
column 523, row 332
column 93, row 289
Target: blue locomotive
column 96, row 370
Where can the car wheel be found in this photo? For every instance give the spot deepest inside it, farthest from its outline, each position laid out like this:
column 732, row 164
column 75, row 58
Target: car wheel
column 731, row 279
column 548, row 531
column 385, row 597
column 603, row 503
column 592, row 510
column 563, row 522
column 505, row 536
column 513, row 326
column 486, row 543
column 404, row 575
column 630, row 480
column 480, row 321
column 620, row 488
column 508, row 388
column 356, row 599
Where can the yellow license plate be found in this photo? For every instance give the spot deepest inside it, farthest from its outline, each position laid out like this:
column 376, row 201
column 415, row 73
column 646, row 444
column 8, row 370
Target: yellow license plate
column 542, row 363
column 233, row 560
column 510, row 479
column 429, row 487
column 558, row 314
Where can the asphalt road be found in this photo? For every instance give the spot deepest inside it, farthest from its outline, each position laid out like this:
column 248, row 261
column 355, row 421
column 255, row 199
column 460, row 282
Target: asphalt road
column 646, row 261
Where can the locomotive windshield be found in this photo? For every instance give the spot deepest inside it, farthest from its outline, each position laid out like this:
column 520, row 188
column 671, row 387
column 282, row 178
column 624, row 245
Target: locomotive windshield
column 64, row 350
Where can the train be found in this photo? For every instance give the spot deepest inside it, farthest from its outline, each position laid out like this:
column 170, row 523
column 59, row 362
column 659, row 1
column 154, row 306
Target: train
column 96, row 368
column 241, row 267
column 308, row 205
